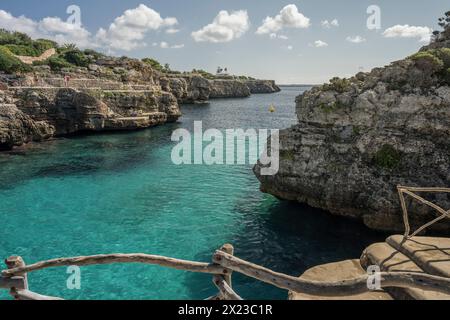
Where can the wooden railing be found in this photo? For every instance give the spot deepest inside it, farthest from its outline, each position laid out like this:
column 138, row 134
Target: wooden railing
column 223, row 264
column 411, row 192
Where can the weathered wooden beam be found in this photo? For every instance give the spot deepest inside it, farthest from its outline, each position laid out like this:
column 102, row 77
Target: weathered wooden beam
column 226, row 292
column 119, row 258
column 337, row 288
column 29, row 295
column 419, row 189
column 410, row 191
column 17, row 262
column 229, row 249
column 12, row 282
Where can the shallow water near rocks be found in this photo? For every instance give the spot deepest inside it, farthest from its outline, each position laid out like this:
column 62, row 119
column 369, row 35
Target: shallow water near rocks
column 120, row 193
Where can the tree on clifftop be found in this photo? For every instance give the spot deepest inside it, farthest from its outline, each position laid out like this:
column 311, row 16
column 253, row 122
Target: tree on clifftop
column 444, row 23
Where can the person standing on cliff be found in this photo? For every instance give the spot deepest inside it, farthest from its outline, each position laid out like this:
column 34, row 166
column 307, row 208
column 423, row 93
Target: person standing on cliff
column 66, row 80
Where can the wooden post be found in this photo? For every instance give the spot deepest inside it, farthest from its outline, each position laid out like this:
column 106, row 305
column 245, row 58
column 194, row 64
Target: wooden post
column 17, row 262
column 217, row 279
column 228, row 248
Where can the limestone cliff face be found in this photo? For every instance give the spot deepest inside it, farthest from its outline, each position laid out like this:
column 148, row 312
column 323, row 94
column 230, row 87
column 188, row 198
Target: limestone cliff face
column 187, row 89
column 358, row 138
column 125, row 95
column 36, row 114
column 110, row 94
column 262, row 86
column 17, row 128
column 228, row 89
column 196, row 89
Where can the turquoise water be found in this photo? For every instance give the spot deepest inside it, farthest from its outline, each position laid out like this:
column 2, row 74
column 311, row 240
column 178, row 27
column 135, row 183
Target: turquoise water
column 113, row 193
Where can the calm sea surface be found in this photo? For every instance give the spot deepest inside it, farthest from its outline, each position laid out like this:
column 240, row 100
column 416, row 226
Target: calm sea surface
column 120, row 193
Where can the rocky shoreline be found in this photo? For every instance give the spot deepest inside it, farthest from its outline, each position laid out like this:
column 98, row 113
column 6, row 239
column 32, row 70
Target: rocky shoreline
column 109, row 95
column 358, row 138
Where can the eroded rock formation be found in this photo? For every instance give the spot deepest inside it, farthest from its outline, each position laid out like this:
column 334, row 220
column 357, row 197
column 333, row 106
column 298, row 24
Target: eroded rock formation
column 358, row 138
column 112, row 94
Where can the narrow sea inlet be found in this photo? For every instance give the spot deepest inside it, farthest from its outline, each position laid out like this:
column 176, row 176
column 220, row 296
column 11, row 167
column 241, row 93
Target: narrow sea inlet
column 121, row 193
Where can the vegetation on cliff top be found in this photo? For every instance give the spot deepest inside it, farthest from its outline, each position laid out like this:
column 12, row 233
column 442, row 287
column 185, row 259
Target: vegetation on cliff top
column 436, row 61
column 22, row 45
column 9, row 63
column 14, row 44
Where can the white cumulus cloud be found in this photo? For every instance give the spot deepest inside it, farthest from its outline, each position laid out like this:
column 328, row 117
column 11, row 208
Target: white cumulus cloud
column 407, row 31
column 224, row 28
column 320, row 44
column 128, row 30
column 328, row 24
column 52, row 28
column 356, row 39
column 289, row 17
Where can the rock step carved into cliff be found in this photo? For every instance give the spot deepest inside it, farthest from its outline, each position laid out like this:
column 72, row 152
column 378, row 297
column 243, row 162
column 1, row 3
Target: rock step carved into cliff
column 390, row 259
column 432, row 253
column 338, row 271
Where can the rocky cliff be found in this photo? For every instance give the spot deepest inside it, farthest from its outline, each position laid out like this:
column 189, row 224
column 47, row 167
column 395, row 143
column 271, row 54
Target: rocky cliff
column 110, row 94
column 262, row 86
column 197, row 89
column 123, row 95
column 358, row 138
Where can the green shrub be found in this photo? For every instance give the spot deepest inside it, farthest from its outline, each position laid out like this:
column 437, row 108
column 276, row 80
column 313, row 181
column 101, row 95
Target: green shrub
column 444, row 55
column 388, row 157
column 43, row 45
column 56, row 63
column 18, row 38
column 337, row 84
column 153, row 63
column 22, row 50
column 10, row 64
column 205, row 74
column 76, row 58
column 22, row 45
column 94, row 54
column 427, row 60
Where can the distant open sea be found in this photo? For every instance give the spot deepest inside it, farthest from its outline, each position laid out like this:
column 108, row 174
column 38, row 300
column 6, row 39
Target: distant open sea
column 120, row 193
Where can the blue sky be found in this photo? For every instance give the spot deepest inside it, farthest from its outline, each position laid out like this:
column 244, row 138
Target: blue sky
column 301, row 51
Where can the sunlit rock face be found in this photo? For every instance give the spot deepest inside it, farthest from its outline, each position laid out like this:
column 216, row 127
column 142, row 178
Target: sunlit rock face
column 358, row 138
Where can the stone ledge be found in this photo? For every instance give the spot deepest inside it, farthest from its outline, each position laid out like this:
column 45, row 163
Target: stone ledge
column 342, row 270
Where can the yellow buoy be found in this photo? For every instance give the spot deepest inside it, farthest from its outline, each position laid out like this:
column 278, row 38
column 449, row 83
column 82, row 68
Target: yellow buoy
column 272, row 108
